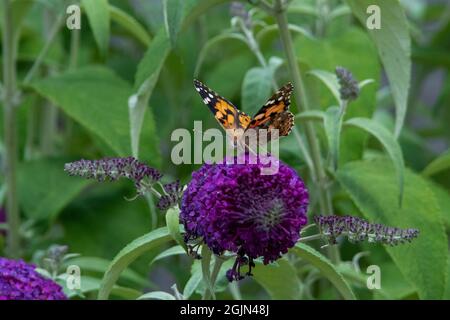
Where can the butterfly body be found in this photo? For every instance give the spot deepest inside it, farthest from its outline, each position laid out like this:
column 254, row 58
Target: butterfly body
column 274, row 115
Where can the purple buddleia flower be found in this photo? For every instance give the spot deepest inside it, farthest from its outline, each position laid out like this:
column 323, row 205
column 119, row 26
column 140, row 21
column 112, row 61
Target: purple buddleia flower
column 349, row 88
column 20, row 281
column 114, row 168
column 236, row 208
column 357, row 230
column 173, row 194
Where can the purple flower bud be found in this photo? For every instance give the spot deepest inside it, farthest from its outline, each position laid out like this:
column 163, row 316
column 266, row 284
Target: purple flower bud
column 174, row 192
column 349, row 88
column 357, row 230
column 19, row 281
column 234, row 207
column 237, row 9
column 114, row 168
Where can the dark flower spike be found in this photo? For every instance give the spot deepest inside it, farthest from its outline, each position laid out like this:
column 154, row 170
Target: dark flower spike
column 349, row 88
column 20, row 281
column 173, row 193
column 357, row 230
column 114, row 168
column 235, row 208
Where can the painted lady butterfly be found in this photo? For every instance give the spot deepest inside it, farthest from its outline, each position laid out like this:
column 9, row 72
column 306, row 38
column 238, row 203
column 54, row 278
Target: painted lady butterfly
column 274, row 114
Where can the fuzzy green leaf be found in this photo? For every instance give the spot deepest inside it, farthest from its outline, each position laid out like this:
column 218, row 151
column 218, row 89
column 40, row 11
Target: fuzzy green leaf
column 130, row 24
column 128, row 254
column 97, row 98
column 394, row 48
column 326, row 268
column 256, row 89
column 389, row 143
column 371, row 185
column 439, row 164
column 278, row 279
column 40, row 185
column 98, row 15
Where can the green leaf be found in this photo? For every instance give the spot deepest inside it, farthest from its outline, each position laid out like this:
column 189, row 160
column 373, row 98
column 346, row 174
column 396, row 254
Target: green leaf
column 331, row 51
column 125, row 293
column 45, row 189
column 330, row 80
column 327, row 269
column 129, row 23
column 91, row 284
column 173, row 15
column 443, row 198
column 128, row 254
column 172, row 251
column 333, row 125
column 173, row 225
column 371, row 186
column 256, row 89
column 19, row 9
column 98, row 15
column 393, row 283
column 156, row 295
column 302, row 7
column 389, row 143
column 193, row 283
column 394, row 48
column 100, row 265
column 213, row 42
column 311, row 115
column 146, row 77
column 278, row 279
column 439, row 164
column 206, row 271
column 97, row 99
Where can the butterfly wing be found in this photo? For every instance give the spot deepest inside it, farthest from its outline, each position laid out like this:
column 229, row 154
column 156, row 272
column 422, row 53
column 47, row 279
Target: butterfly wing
column 275, row 113
column 224, row 111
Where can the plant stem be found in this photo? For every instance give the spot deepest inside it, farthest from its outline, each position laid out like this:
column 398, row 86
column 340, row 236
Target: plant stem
column 254, row 47
column 217, row 265
column 303, row 104
column 311, row 238
column 235, row 291
column 74, row 46
column 10, row 127
column 37, row 63
column 153, row 213
column 32, row 125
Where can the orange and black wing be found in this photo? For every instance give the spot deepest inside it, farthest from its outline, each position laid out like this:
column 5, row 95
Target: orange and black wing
column 275, row 113
column 224, row 111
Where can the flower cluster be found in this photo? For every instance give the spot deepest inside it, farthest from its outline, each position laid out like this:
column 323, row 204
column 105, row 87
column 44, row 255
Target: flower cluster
column 173, row 193
column 236, row 208
column 20, row 281
column 357, row 229
column 114, row 168
column 349, row 88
